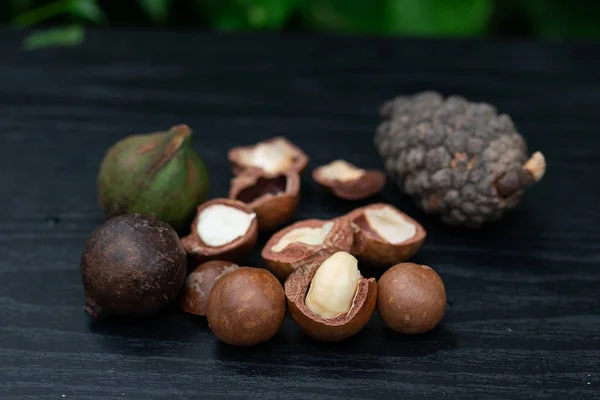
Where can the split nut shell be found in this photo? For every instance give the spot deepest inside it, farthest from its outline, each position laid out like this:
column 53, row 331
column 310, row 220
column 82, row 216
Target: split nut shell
column 384, row 236
column 223, row 229
column 306, row 242
column 349, row 182
column 274, row 198
column 329, row 329
column 273, row 156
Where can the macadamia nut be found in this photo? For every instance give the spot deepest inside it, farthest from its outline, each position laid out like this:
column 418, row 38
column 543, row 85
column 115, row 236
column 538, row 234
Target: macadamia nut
column 334, row 286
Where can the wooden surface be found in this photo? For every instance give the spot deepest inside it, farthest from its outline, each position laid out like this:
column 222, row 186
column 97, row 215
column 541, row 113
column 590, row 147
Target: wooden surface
column 523, row 316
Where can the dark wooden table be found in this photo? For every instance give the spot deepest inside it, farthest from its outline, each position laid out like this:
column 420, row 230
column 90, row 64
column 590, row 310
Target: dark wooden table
column 523, row 316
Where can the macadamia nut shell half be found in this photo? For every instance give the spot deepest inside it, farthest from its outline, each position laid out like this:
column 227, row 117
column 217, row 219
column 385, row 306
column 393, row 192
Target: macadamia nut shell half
column 283, row 261
column 272, row 156
column 329, row 329
column 236, row 251
column 372, row 249
column 349, row 182
column 274, row 198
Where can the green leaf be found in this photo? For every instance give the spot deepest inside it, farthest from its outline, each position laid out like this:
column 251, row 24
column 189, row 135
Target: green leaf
column 62, row 36
column 87, row 9
column 408, row 17
column 248, row 14
column 157, row 10
column 439, row 17
column 43, row 13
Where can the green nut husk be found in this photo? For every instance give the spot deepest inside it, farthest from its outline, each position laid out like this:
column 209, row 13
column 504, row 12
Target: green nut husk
column 158, row 174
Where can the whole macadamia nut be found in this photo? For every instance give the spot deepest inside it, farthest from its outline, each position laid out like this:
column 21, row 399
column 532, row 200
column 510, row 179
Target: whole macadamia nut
column 411, row 298
column 246, row 307
column 199, row 284
column 132, row 265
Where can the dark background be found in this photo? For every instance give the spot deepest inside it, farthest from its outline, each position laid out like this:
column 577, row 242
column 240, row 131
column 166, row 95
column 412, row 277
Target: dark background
column 523, row 313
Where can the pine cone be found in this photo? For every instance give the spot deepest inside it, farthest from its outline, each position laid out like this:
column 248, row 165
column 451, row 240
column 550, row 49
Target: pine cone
column 458, row 159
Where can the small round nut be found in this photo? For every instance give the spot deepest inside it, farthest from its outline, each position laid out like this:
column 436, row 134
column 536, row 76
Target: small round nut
column 337, row 323
column 223, row 229
column 246, row 307
column 306, row 242
column 349, row 182
column 384, row 236
column 274, row 198
column 273, row 156
column 199, row 284
column 411, row 298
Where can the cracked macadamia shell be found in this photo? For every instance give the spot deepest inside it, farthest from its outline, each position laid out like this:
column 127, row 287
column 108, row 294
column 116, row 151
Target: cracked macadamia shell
column 273, row 156
column 246, row 307
column 305, row 242
column 199, row 284
column 329, row 329
column 411, row 298
column 274, row 198
column 384, row 236
column 223, row 229
column 132, row 265
column 349, row 182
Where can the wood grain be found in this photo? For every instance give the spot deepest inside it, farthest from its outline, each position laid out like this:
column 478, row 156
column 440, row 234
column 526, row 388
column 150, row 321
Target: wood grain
column 523, row 319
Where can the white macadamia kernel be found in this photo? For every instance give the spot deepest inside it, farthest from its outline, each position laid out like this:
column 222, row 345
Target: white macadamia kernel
column 309, row 236
column 272, row 157
column 334, row 286
column 219, row 224
column 341, row 170
column 390, row 225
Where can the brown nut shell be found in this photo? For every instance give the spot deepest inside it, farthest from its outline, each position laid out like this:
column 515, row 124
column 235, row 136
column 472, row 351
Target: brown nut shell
column 199, row 283
column 236, row 251
column 411, row 298
column 360, row 185
column 372, row 249
column 274, row 198
column 329, row 329
column 275, row 155
column 246, row 307
column 282, row 263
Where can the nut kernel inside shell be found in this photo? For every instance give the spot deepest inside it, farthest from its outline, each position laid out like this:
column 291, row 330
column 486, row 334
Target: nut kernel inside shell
column 334, row 286
column 273, row 157
column 341, row 170
column 306, row 235
column 220, row 224
column 389, row 225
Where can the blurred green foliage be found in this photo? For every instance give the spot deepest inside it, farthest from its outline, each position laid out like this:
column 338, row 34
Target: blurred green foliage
column 62, row 20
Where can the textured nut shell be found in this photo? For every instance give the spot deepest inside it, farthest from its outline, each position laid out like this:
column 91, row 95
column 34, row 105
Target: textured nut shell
column 271, row 210
column 246, row 307
column 299, row 164
column 371, row 183
column 330, row 329
column 371, row 249
column 236, row 251
column 131, row 265
column 411, row 298
column 194, row 298
column 283, row 263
